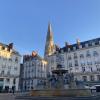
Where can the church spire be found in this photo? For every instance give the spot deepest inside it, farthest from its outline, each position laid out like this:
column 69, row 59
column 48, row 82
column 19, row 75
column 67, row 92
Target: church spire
column 49, row 46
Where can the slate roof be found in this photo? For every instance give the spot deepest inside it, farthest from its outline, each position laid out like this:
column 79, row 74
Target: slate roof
column 83, row 44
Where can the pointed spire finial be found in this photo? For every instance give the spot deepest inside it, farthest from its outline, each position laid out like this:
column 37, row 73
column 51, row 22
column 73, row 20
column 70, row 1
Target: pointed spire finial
column 49, row 47
column 49, row 27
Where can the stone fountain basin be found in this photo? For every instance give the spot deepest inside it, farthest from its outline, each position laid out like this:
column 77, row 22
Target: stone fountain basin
column 61, row 92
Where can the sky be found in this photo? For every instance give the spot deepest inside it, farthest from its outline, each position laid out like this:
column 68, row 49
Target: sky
column 25, row 22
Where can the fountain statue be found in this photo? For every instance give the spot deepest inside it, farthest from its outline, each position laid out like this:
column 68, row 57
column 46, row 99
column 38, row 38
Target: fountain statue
column 55, row 85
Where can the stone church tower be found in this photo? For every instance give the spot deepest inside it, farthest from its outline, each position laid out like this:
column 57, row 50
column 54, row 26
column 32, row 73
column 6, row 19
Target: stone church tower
column 49, row 46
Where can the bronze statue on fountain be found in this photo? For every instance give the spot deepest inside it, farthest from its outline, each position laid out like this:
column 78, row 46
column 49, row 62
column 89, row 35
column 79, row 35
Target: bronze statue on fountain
column 60, row 76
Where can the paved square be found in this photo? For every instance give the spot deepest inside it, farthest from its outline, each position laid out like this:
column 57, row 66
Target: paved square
column 7, row 96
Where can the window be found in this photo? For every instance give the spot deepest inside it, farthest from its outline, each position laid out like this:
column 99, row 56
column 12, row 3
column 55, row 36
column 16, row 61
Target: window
column 16, row 59
column 88, row 54
column 69, row 58
column 2, row 72
column 8, row 73
column 62, row 51
column 74, row 48
column 3, row 47
column 95, row 53
column 15, row 68
column 98, row 69
column 1, row 79
column 75, row 55
column 7, row 80
column 86, row 45
column 81, row 56
column 14, row 81
column 70, row 64
column 93, row 43
column 98, row 77
column 80, row 46
column 68, row 49
column 10, row 59
column 84, row 78
column 91, row 78
column 76, row 63
column 60, row 59
column 9, row 67
column 83, row 69
column 97, row 62
column 3, row 66
column 91, row 69
column 82, row 64
column 89, row 63
column 31, row 82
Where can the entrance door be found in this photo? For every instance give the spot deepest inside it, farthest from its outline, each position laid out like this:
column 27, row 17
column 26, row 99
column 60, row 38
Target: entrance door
column 1, row 88
column 97, row 88
column 6, row 88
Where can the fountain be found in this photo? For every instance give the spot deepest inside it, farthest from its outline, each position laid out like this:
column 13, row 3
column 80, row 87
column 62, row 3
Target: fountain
column 55, row 85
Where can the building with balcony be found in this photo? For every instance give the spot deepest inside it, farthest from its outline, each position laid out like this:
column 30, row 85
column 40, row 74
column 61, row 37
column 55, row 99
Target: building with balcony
column 34, row 72
column 82, row 58
column 9, row 68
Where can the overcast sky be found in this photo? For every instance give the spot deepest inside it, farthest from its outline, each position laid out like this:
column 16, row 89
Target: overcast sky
column 25, row 22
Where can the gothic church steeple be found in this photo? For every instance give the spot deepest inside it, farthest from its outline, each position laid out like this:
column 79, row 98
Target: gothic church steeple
column 49, row 46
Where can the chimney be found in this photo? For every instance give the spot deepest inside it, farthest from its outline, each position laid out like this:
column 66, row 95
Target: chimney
column 78, row 42
column 10, row 45
column 34, row 54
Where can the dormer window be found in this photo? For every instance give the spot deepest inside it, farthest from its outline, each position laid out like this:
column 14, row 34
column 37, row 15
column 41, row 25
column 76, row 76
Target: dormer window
column 3, row 47
column 62, row 51
column 86, row 45
column 80, row 46
column 68, row 49
column 74, row 48
column 93, row 43
column 0, row 47
column 6, row 48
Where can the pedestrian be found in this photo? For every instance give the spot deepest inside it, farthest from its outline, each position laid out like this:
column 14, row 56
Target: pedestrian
column 13, row 90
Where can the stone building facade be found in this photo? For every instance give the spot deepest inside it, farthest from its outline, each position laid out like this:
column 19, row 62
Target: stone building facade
column 82, row 59
column 34, row 68
column 9, row 68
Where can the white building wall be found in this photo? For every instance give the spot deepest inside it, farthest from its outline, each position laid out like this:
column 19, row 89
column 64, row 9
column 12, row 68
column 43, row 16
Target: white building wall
column 34, row 71
column 9, row 67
